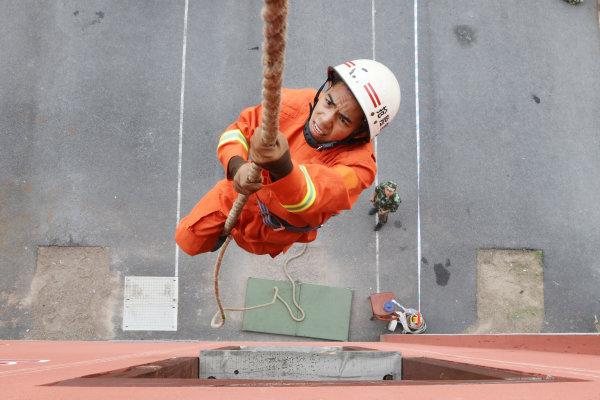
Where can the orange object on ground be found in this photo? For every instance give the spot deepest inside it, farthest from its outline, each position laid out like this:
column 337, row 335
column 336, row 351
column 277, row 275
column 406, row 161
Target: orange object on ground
column 321, row 184
column 377, row 302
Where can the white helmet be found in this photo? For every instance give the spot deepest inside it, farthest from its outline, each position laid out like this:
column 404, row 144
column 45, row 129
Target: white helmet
column 375, row 88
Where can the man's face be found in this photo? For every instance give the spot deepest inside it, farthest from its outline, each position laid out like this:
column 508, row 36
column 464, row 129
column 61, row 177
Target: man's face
column 389, row 191
column 336, row 115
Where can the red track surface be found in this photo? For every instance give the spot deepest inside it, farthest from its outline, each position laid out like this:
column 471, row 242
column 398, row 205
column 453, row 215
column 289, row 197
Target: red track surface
column 568, row 356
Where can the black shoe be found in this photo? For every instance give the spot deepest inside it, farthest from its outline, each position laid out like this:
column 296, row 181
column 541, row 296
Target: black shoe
column 219, row 243
column 372, row 211
column 378, row 226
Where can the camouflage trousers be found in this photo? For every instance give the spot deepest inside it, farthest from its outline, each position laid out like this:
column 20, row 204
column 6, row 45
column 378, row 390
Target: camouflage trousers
column 383, row 215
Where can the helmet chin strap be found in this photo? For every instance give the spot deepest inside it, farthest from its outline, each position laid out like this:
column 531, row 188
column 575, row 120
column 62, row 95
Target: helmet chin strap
column 351, row 139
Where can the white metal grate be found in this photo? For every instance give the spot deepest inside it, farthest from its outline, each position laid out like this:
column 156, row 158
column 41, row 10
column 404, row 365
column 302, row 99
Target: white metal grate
column 150, row 303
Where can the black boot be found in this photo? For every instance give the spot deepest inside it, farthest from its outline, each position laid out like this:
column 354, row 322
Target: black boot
column 219, row 243
column 372, row 211
column 378, row 226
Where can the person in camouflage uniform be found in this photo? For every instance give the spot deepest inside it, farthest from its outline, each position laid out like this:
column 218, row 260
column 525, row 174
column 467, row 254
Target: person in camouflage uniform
column 384, row 199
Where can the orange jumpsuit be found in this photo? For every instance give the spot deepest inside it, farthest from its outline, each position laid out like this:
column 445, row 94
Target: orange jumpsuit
column 321, row 184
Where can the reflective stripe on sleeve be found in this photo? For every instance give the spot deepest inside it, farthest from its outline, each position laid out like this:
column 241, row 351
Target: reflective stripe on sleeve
column 233, row 136
column 309, row 198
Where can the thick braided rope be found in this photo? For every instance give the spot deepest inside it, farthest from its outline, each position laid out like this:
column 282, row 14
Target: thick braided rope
column 274, row 15
column 216, row 322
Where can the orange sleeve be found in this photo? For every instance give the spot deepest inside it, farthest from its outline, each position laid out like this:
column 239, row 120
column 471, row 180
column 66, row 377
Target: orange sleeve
column 312, row 190
column 235, row 140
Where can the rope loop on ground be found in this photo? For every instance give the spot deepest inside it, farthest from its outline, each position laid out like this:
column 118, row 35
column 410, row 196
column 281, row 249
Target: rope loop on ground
column 217, row 320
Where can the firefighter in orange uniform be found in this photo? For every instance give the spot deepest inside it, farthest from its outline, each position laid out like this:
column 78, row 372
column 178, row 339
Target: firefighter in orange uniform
column 321, row 162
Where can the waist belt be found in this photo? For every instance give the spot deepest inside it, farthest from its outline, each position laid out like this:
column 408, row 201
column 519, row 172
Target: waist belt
column 279, row 224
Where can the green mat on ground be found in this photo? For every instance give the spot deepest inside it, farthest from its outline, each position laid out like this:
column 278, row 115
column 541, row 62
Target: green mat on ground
column 327, row 310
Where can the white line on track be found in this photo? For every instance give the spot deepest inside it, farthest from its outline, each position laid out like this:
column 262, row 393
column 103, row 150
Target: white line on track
column 418, row 139
column 181, row 103
column 375, row 147
column 50, row 367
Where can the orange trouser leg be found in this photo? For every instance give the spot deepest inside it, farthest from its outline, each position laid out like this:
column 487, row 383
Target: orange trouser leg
column 199, row 231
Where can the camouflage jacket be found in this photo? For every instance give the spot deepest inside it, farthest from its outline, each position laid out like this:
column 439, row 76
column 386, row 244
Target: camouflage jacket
column 385, row 203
